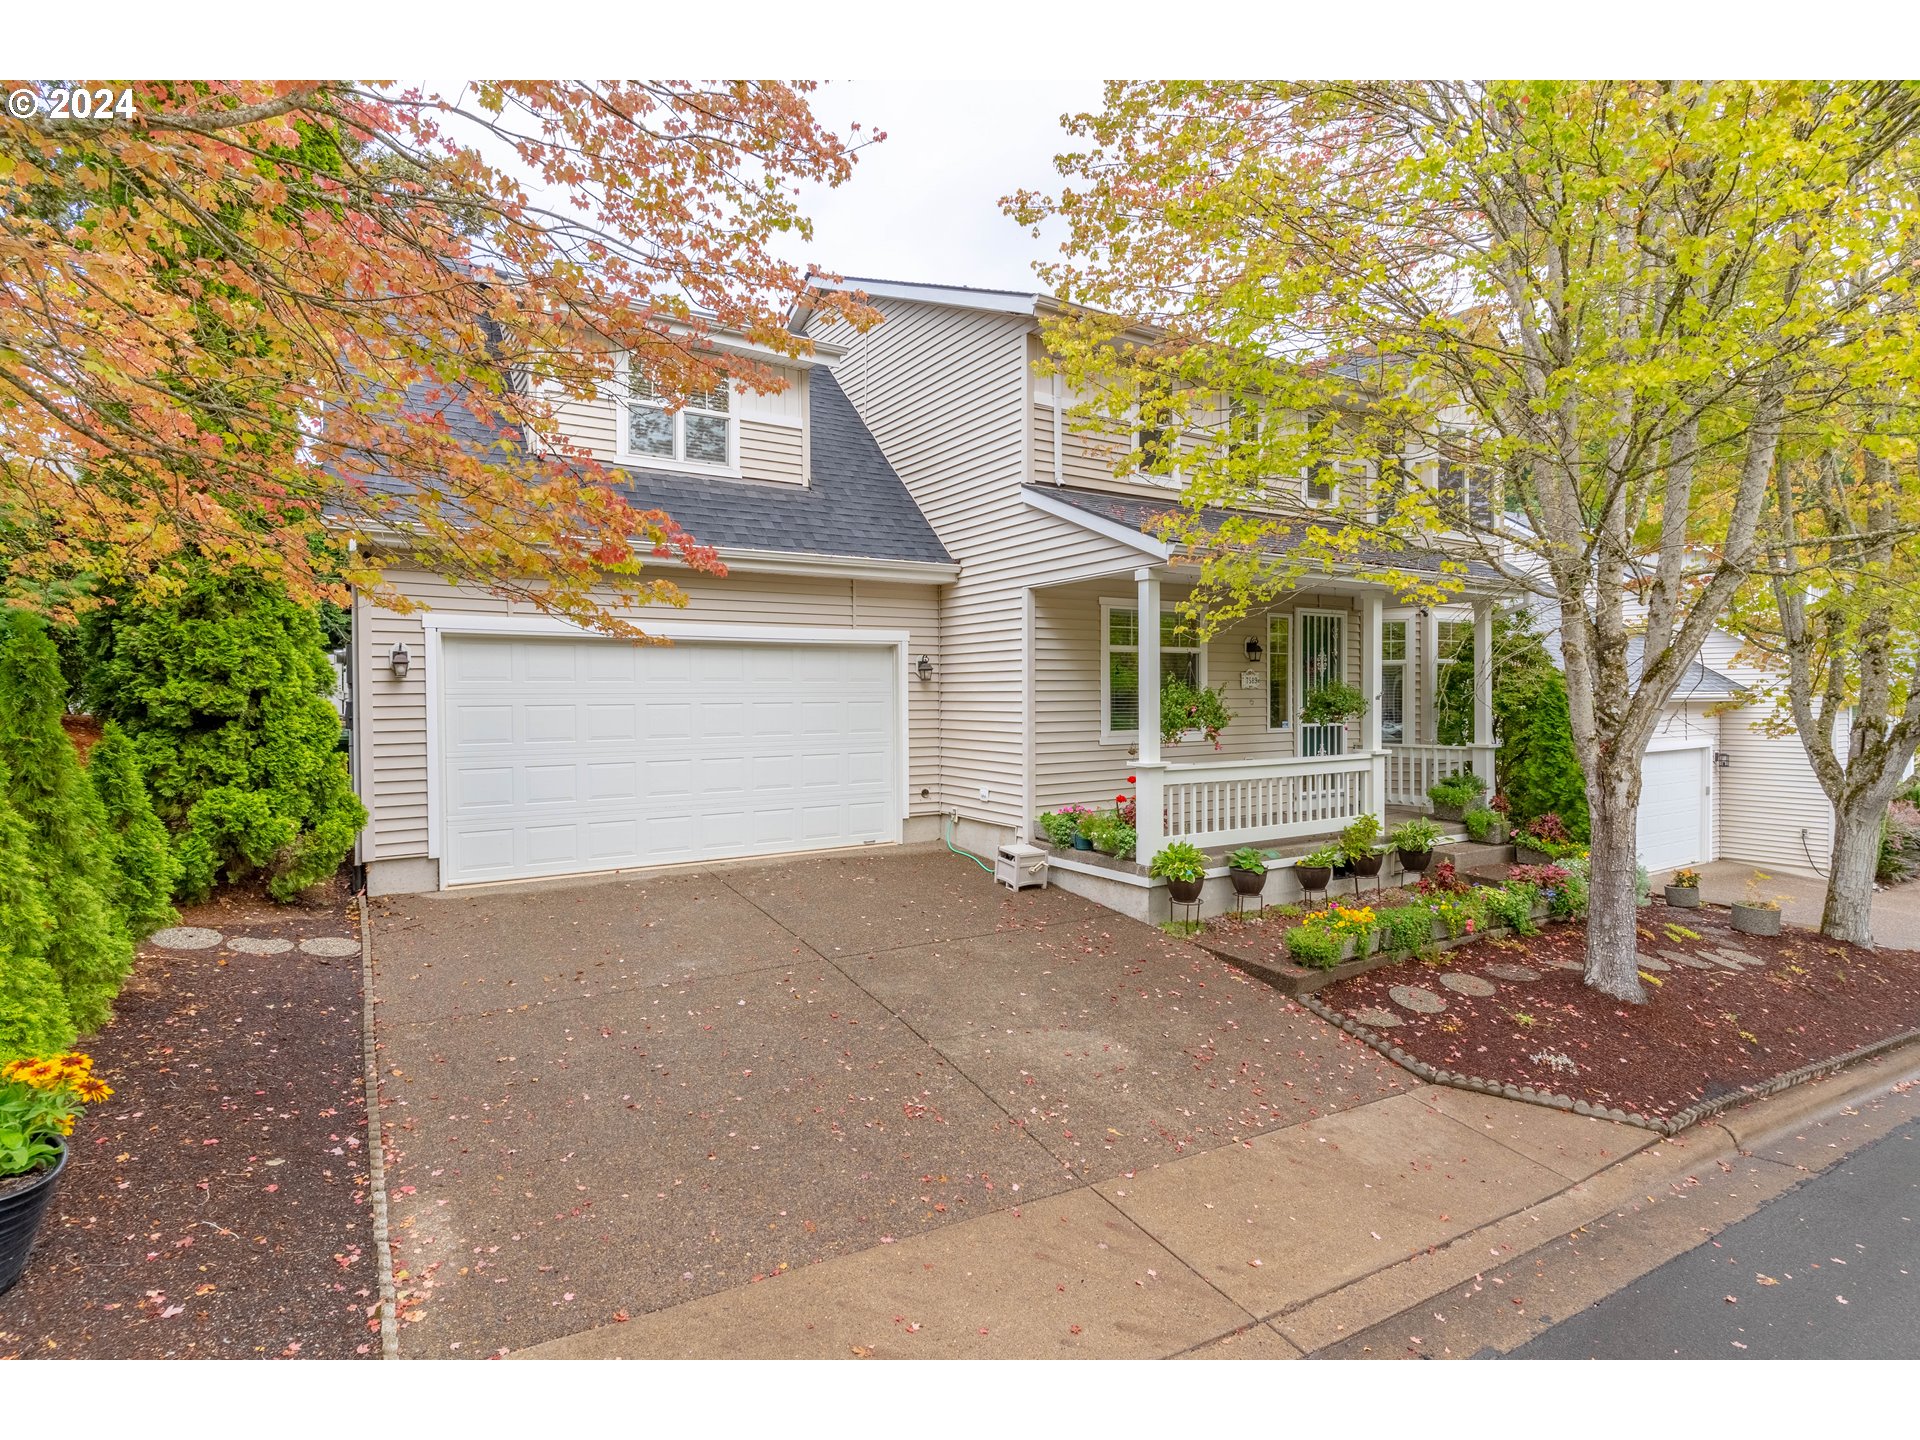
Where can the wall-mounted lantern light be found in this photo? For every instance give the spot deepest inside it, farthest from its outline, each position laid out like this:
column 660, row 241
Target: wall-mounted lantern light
column 1253, row 650
column 399, row 662
column 1722, row 759
column 924, row 669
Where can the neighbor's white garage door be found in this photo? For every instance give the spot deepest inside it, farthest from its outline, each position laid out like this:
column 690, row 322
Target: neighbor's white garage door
column 1672, row 807
column 564, row 755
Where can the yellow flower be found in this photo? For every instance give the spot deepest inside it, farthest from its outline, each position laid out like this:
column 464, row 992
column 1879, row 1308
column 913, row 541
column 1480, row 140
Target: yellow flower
column 92, row 1089
column 64, row 1124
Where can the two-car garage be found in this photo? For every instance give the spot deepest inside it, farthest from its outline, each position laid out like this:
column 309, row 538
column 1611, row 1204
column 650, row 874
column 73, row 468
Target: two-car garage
column 555, row 754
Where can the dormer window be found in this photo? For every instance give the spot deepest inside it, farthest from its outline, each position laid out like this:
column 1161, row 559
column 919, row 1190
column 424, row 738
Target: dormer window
column 699, row 435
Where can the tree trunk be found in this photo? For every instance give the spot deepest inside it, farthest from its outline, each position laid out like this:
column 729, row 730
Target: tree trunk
column 1613, row 950
column 1856, row 854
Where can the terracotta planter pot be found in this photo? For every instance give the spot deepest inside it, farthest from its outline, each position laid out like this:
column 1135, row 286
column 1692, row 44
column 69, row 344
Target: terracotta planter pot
column 1414, row 861
column 21, row 1211
column 1684, row 897
column 1313, row 877
column 1184, row 892
column 1248, row 882
column 1367, row 864
column 1756, row 919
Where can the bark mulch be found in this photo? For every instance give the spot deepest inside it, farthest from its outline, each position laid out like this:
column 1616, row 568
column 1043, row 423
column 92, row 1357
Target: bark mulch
column 217, row 1205
column 1704, row 1033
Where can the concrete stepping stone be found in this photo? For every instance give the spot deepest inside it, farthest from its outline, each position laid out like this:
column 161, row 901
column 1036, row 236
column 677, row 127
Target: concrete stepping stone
column 260, row 944
column 1462, row 984
column 1739, row 957
column 1375, row 1018
column 1647, row 962
column 186, row 937
column 1417, row 998
column 1558, row 964
column 1692, row 962
column 330, row 945
column 1512, row 972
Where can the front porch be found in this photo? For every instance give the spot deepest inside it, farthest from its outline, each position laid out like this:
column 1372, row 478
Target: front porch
column 1273, row 779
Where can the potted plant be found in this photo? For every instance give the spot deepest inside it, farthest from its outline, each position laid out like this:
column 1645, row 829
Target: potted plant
column 1758, row 914
column 1061, row 826
column 1183, row 867
column 39, row 1101
column 1359, row 847
column 1486, row 827
column 1454, row 796
column 1413, row 840
column 1313, row 871
column 1185, row 708
column 1323, row 717
column 1247, row 869
column 1543, row 839
column 1683, row 890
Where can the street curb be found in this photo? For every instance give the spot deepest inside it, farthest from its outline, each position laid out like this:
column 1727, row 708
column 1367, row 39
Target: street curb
column 1551, row 1100
column 376, row 1146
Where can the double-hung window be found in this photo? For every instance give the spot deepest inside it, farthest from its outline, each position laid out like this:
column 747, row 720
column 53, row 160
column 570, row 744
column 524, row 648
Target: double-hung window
column 1393, row 682
column 1180, row 659
column 1279, row 671
column 699, row 434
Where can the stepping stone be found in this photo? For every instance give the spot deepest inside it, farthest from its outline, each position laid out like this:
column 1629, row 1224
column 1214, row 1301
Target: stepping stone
column 1462, row 984
column 1417, row 999
column 1692, row 962
column 1739, row 957
column 330, row 945
column 259, row 945
column 1512, row 972
column 1647, row 962
column 1375, row 1018
column 1558, row 964
column 186, row 937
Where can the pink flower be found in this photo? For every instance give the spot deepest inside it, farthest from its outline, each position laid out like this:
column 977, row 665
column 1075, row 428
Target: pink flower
column 1469, row 927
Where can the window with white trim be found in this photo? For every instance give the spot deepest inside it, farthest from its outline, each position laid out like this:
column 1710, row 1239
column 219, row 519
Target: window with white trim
column 1180, row 658
column 1393, row 682
column 699, row 434
column 1279, row 671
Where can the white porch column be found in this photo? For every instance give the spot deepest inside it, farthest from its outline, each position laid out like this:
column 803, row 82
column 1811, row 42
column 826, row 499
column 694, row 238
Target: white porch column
column 1483, row 757
column 1149, row 802
column 1371, row 683
column 1428, row 714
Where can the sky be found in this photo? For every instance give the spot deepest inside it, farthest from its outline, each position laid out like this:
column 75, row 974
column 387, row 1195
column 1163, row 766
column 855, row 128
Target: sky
column 924, row 204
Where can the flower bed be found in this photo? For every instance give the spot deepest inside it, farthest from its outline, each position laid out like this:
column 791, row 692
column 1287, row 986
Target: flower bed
column 1728, row 1015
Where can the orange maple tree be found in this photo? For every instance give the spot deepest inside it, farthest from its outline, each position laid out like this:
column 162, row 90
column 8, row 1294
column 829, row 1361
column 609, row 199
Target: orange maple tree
column 322, row 328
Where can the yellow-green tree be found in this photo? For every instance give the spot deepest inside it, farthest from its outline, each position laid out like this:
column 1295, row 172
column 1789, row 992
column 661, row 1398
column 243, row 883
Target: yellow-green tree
column 1557, row 327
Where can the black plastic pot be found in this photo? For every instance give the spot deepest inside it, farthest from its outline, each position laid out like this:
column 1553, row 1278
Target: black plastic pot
column 1184, row 892
column 1313, row 877
column 21, row 1211
column 1247, row 882
column 1414, row 861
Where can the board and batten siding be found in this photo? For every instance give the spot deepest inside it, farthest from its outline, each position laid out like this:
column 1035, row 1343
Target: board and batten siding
column 771, row 429
column 945, row 393
column 1071, row 762
column 392, row 729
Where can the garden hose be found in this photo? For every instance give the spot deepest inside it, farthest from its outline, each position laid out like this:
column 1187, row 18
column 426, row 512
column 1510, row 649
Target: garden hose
column 947, row 832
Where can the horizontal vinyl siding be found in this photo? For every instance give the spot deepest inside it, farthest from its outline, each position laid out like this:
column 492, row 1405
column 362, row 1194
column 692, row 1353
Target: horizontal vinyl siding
column 393, row 731
column 772, row 435
column 945, row 393
column 1071, row 763
column 772, row 452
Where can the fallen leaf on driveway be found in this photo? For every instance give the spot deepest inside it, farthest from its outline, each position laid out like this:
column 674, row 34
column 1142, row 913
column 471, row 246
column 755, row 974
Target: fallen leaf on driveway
column 1766, row 1280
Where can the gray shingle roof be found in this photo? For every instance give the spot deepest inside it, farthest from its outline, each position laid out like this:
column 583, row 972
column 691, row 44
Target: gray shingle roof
column 1139, row 512
column 1697, row 681
column 855, row 506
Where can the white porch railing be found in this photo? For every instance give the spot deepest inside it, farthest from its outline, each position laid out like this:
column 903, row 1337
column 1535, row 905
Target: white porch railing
column 1240, row 801
column 1413, row 769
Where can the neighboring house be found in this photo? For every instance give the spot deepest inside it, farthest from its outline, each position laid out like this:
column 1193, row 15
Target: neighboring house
column 932, row 615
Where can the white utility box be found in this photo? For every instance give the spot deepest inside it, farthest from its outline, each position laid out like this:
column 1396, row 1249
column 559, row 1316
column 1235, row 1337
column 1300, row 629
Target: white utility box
column 1021, row 867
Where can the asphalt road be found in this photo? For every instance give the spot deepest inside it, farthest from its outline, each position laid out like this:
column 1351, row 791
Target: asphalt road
column 1842, row 1252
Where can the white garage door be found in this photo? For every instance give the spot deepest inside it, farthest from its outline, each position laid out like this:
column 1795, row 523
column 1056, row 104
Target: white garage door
column 563, row 755
column 1671, row 808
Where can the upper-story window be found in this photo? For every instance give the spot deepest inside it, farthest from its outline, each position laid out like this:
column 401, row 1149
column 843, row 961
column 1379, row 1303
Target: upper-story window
column 699, row 435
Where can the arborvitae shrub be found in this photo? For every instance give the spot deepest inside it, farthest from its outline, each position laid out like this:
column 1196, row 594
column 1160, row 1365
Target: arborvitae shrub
column 88, row 947
column 222, row 691
column 143, row 863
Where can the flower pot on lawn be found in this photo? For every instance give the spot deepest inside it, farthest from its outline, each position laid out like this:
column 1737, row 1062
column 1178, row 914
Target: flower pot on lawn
column 1248, row 882
column 1313, row 877
column 1756, row 919
column 1184, row 892
column 1684, row 897
column 1414, row 861
column 23, row 1205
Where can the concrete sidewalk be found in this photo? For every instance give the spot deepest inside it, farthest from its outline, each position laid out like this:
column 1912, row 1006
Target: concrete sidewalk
column 1293, row 1243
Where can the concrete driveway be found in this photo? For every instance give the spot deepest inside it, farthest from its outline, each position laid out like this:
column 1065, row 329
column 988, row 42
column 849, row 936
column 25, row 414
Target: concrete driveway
column 1896, row 912
column 606, row 1098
